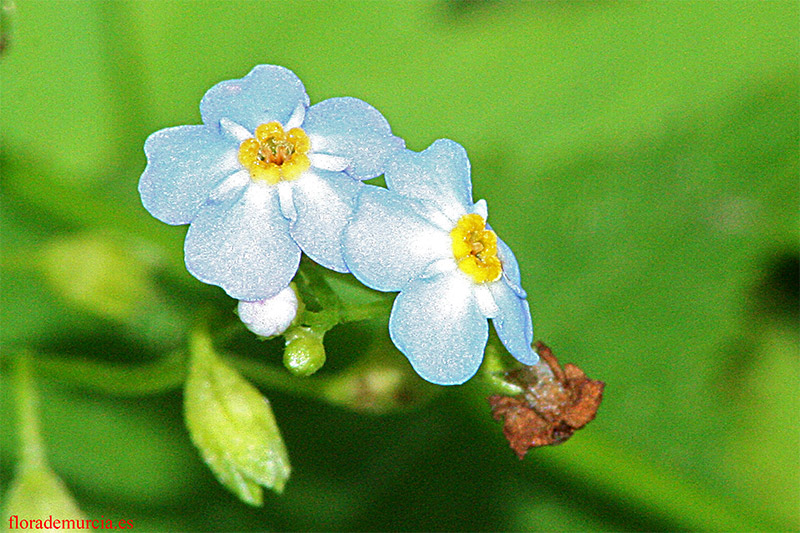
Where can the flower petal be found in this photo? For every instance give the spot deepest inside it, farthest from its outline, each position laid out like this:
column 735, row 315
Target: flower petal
column 513, row 323
column 439, row 175
column 243, row 245
column 511, row 271
column 354, row 130
column 438, row 325
column 323, row 202
column 328, row 162
column 387, row 243
column 286, row 200
column 485, row 300
column 481, row 209
column 183, row 165
column 267, row 93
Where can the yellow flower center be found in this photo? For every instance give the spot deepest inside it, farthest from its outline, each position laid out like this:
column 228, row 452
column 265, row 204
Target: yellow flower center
column 475, row 249
column 273, row 155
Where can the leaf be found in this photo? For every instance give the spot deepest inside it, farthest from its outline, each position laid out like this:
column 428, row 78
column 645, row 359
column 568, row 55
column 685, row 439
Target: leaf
column 232, row 425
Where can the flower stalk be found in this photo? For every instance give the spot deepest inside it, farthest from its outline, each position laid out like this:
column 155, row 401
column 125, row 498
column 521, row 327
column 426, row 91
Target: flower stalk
column 31, row 445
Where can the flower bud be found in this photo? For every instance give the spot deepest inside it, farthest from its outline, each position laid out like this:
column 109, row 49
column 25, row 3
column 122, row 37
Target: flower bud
column 38, row 492
column 272, row 316
column 233, row 426
column 111, row 277
column 304, row 353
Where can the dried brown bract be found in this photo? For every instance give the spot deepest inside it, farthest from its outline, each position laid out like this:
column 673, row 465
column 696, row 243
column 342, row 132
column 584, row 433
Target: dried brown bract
column 554, row 404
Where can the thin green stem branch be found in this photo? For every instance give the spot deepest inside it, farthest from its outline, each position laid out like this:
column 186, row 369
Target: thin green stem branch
column 29, row 431
column 163, row 374
column 379, row 309
column 276, row 378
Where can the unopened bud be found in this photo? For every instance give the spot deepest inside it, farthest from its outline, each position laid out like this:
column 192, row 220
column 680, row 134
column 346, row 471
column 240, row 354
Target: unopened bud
column 111, row 277
column 304, row 353
column 272, row 316
column 233, row 426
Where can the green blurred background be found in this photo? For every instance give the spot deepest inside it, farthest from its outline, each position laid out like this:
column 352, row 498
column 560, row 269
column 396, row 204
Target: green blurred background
column 641, row 158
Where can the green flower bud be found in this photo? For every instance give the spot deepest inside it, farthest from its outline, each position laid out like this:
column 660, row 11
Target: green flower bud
column 233, row 427
column 304, row 353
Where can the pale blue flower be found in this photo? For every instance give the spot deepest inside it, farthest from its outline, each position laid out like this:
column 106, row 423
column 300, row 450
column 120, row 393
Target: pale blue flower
column 255, row 203
column 425, row 238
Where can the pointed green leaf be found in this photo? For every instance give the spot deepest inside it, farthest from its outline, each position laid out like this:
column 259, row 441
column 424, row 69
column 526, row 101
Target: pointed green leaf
column 232, row 425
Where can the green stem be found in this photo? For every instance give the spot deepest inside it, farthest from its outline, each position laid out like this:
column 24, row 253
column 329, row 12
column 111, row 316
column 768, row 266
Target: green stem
column 276, row 378
column 321, row 321
column 496, row 362
column 313, row 278
column 354, row 313
column 30, row 435
column 164, row 374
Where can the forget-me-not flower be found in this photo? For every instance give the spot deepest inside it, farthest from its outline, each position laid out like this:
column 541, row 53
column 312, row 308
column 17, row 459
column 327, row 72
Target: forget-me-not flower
column 425, row 238
column 264, row 177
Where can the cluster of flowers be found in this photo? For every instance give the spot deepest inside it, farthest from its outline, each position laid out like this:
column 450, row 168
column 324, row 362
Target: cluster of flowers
column 267, row 176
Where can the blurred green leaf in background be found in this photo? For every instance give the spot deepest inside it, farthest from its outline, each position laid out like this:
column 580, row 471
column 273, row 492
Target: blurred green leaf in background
column 641, row 158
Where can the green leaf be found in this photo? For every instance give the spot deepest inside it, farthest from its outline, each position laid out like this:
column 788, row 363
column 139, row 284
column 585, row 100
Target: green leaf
column 232, row 425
